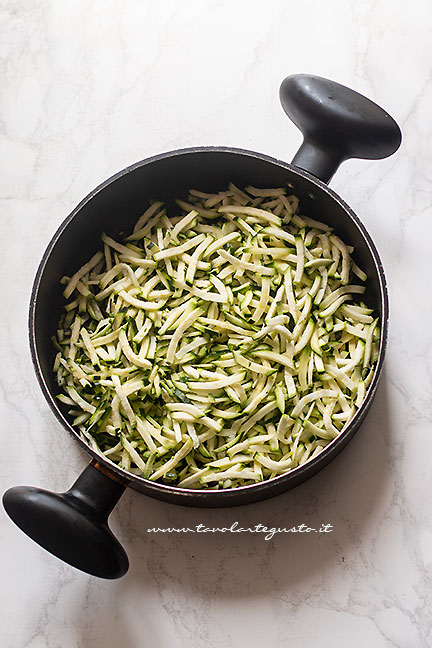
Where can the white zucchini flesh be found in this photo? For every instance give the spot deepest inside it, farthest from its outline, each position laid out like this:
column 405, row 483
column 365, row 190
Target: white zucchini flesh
column 219, row 347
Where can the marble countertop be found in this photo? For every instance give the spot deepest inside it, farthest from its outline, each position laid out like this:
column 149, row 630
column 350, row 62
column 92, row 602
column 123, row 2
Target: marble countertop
column 87, row 89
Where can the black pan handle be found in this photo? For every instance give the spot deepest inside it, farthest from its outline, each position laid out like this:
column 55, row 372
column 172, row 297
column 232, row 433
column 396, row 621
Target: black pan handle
column 337, row 123
column 73, row 525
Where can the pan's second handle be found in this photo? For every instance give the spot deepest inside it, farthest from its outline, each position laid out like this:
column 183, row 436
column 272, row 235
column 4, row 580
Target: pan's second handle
column 337, row 123
column 73, row 525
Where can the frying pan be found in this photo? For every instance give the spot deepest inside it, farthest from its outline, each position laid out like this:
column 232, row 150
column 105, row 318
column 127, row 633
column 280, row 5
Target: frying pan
column 337, row 123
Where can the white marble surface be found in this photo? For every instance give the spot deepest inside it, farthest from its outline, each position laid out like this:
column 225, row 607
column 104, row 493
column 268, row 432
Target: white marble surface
column 90, row 87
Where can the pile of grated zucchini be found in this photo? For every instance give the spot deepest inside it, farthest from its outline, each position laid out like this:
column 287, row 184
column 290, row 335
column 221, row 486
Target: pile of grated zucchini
column 217, row 348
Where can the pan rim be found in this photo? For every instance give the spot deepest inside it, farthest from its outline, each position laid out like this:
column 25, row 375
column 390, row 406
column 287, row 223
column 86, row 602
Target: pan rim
column 302, row 472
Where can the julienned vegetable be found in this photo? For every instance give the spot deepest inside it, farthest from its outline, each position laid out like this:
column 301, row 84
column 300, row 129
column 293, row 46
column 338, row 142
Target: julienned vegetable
column 220, row 347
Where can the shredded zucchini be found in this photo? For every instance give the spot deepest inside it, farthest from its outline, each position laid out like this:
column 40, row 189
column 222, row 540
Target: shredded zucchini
column 220, row 347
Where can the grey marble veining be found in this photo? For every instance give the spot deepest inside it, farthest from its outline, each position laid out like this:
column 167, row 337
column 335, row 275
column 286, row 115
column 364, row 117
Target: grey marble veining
column 90, row 87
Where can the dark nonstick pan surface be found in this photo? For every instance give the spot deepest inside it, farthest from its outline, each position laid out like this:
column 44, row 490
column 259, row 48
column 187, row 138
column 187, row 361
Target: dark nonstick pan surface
column 115, row 207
